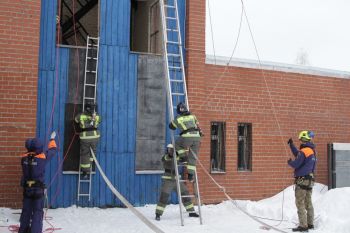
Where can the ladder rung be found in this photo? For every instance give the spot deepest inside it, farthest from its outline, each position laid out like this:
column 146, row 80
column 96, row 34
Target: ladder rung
column 175, row 67
column 176, row 81
column 188, row 196
column 173, row 42
column 89, row 98
column 91, row 85
column 91, row 71
column 173, row 30
column 169, row 6
column 94, row 38
column 93, row 45
column 173, row 54
column 94, row 58
column 172, row 18
column 177, row 93
column 83, row 194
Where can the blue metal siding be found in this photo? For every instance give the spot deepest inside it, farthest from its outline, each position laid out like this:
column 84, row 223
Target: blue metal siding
column 116, row 97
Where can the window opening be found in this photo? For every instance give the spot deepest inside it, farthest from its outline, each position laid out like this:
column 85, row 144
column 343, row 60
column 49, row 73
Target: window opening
column 245, row 146
column 85, row 21
column 217, row 147
column 145, row 26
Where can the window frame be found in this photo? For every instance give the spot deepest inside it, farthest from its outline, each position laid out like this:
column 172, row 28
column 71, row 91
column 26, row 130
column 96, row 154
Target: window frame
column 220, row 147
column 248, row 137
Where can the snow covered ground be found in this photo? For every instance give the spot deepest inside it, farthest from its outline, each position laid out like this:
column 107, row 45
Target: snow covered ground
column 331, row 216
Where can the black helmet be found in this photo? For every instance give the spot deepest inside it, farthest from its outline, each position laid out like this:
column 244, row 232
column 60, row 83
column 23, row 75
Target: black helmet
column 181, row 108
column 89, row 108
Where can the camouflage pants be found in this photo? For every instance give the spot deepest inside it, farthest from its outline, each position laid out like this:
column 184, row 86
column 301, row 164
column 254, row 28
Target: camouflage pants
column 304, row 203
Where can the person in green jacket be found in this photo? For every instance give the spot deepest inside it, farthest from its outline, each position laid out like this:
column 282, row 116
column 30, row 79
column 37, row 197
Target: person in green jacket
column 169, row 185
column 89, row 136
column 187, row 145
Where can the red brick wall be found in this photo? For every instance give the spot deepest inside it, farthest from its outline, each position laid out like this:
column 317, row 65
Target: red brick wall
column 19, row 47
column 277, row 109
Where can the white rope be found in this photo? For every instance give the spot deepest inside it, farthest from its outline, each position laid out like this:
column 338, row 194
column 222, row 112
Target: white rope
column 123, row 200
column 223, row 189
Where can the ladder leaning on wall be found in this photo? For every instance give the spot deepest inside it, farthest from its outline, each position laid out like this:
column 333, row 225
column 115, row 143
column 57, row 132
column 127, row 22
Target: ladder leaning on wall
column 89, row 95
column 176, row 82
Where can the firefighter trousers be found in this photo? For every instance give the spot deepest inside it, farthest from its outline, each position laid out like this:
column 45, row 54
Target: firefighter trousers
column 168, row 186
column 85, row 153
column 183, row 146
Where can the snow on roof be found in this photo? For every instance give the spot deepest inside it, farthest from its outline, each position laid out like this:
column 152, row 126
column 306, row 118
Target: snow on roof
column 275, row 66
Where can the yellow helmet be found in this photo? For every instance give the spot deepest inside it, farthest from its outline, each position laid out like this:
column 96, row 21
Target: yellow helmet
column 306, row 135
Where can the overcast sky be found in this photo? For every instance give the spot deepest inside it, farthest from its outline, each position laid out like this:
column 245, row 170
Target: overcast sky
column 282, row 29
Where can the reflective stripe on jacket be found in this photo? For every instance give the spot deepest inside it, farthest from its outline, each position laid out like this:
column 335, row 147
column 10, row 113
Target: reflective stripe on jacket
column 186, row 122
column 88, row 125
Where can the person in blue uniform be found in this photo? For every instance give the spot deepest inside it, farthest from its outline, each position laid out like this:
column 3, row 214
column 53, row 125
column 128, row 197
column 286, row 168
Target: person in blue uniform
column 304, row 167
column 33, row 164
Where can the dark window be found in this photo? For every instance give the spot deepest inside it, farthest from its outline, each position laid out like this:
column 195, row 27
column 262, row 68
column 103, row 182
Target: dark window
column 77, row 20
column 145, row 26
column 217, row 146
column 244, row 146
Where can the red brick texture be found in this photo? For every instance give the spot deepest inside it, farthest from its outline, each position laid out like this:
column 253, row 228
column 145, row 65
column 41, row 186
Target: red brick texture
column 19, row 49
column 278, row 104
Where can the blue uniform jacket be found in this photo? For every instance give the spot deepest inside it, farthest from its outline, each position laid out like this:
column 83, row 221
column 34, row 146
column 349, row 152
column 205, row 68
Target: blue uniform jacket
column 305, row 160
column 36, row 172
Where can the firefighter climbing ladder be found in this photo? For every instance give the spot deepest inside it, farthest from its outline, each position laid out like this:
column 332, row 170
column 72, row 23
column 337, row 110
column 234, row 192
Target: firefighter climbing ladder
column 89, row 95
column 176, row 82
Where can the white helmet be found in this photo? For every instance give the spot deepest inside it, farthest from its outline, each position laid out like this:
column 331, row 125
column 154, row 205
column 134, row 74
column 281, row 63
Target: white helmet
column 170, row 146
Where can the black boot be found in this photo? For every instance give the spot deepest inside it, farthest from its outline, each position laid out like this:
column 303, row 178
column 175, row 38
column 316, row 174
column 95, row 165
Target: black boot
column 310, row 226
column 301, row 229
column 193, row 214
column 158, row 217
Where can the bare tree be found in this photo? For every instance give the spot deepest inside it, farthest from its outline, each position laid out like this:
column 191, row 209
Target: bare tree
column 302, row 58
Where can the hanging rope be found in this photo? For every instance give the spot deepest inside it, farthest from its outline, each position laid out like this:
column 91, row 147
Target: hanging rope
column 222, row 188
column 243, row 11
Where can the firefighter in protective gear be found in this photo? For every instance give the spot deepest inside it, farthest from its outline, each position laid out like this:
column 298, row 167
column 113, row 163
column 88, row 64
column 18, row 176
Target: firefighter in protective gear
column 169, row 185
column 89, row 136
column 304, row 166
column 187, row 145
column 33, row 182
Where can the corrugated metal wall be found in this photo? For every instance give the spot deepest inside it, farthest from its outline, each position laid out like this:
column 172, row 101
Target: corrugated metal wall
column 117, row 95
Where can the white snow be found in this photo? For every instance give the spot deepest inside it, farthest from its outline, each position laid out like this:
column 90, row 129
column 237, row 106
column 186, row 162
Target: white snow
column 331, row 215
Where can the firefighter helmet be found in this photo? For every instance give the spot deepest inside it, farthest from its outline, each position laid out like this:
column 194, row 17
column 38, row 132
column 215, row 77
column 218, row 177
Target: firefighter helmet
column 89, row 108
column 181, row 108
column 34, row 145
column 170, row 146
column 306, row 135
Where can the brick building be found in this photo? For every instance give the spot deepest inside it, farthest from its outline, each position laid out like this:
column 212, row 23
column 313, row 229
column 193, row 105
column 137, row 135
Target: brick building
column 247, row 114
column 19, row 54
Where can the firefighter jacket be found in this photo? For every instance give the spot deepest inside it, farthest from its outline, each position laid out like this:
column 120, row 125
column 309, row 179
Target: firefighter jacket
column 187, row 124
column 33, row 165
column 169, row 167
column 88, row 125
column 305, row 160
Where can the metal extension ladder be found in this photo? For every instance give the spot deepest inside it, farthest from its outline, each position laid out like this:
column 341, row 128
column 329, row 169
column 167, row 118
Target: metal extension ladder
column 89, row 95
column 176, row 82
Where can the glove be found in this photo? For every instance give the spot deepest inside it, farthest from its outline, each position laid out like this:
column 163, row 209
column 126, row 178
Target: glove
column 290, row 141
column 289, row 160
column 200, row 132
column 53, row 135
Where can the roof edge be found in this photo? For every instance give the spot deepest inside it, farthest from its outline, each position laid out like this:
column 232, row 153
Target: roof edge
column 275, row 66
